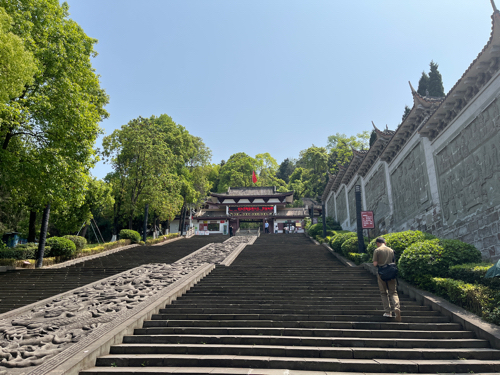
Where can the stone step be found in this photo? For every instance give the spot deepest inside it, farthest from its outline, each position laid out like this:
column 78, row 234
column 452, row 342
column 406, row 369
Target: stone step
column 308, row 300
column 312, row 364
column 321, row 332
column 308, row 351
column 388, row 324
column 347, row 310
column 393, row 342
column 299, row 304
column 188, row 370
column 347, row 317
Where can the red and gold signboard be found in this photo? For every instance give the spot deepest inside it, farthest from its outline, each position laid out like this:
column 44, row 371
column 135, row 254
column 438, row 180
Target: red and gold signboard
column 251, row 210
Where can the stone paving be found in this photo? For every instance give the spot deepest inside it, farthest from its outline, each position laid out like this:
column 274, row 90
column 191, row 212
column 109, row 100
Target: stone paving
column 48, row 329
column 285, row 306
column 23, row 287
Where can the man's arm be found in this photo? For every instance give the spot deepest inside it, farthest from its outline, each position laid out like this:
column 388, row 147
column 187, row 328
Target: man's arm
column 375, row 258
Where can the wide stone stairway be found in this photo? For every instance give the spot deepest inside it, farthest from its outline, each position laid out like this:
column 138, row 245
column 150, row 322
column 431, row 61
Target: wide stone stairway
column 22, row 287
column 286, row 306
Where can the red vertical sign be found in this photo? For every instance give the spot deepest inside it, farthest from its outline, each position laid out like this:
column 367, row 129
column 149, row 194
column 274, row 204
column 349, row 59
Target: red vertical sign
column 367, row 220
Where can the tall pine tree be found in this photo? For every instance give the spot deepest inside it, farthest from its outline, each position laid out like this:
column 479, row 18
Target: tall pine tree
column 423, row 84
column 435, row 85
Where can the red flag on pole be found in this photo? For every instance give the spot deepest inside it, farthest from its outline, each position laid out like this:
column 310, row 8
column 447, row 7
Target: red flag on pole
column 254, row 177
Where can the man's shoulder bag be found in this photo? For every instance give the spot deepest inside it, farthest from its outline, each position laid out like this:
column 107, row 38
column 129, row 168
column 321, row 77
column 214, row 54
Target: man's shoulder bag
column 388, row 271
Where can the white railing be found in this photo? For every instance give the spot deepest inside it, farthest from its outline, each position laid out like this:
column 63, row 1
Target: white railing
column 190, row 232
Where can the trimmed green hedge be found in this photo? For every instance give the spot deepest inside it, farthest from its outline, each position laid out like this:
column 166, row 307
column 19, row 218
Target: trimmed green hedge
column 338, row 240
column 476, row 298
column 350, row 245
column 474, row 273
column 60, row 247
column 399, row 241
column 358, row 258
column 435, row 257
column 128, row 234
column 21, row 252
column 79, row 241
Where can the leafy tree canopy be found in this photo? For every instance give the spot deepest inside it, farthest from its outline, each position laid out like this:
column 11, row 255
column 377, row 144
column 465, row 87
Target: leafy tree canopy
column 49, row 127
column 436, row 88
column 237, row 171
column 423, row 84
column 17, row 66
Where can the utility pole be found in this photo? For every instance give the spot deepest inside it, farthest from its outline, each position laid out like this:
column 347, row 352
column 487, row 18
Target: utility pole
column 145, row 227
column 359, row 223
column 43, row 236
column 324, row 219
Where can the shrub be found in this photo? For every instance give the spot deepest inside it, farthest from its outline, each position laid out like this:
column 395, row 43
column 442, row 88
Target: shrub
column 473, row 297
column 350, row 245
column 333, row 224
column 162, row 238
column 317, row 229
column 474, row 273
column 338, row 240
column 141, row 243
column 435, row 257
column 358, row 258
column 460, row 252
column 399, row 241
column 20, row 252
column 60, row 247
column 79, row 241
column 128, row 234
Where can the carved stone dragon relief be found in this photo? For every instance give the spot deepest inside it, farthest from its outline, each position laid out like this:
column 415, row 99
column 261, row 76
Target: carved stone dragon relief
column 46, row 330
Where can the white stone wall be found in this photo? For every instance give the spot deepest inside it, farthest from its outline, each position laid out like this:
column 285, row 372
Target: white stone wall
column 458, row 172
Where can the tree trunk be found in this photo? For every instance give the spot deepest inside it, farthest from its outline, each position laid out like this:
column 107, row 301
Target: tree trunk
column 182, row 218
column 32, row 227
column 83, row 233
column 43, row 236
column 145, row 225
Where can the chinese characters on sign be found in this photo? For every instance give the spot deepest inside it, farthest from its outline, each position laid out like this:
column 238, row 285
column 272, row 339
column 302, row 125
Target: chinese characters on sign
column 367, row 220
column 251, row 211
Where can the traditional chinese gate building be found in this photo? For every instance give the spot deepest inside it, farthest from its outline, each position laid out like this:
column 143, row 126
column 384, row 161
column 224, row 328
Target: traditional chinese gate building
column 249, row 204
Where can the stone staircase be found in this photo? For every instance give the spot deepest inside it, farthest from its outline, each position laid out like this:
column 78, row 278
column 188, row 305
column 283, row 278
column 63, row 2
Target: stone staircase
column 286, row 304
column 22, row 287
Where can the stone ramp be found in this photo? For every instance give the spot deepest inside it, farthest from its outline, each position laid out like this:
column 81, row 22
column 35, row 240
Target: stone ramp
column 22, row 287
column 286, row 304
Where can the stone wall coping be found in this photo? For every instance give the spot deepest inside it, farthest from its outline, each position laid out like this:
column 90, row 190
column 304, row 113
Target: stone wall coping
column 83, row 354
column 468, row 320
column 231, row 257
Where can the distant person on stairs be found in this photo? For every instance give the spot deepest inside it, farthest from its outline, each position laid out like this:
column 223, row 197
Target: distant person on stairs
column 381, row 256
column 266, row 226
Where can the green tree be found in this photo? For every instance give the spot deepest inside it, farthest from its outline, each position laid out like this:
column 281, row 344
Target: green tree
column 265, row 162
column 406, row 113
column 98, row 199
column 17, row 66
column 340, row 148
column 435, row 86
column 237, row 171
column 285, row 169
column 315, row 158
column 147, row 156
column 48, row 129
column 423, row 84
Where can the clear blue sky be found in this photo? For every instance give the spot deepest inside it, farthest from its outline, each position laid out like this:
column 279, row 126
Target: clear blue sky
column 275, row 76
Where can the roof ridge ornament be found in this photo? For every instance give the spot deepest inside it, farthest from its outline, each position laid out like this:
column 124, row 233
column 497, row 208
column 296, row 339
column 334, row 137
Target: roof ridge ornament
column 413, row 91
column 494, row 6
